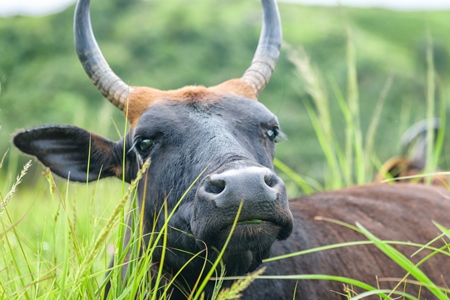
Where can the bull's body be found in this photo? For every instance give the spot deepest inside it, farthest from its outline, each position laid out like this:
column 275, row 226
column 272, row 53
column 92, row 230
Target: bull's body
column 391, row 212
column 222, row 133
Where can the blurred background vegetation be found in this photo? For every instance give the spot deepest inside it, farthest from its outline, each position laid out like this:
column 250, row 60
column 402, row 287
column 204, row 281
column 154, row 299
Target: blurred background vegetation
column 169, row 44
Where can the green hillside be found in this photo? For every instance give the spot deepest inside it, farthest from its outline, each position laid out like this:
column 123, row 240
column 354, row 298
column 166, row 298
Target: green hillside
column 169, row 44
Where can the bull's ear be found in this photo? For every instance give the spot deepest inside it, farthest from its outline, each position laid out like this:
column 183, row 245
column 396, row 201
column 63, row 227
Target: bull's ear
column 72, row 152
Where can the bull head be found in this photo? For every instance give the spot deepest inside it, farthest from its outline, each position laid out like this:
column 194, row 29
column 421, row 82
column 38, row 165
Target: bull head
column 220, row 129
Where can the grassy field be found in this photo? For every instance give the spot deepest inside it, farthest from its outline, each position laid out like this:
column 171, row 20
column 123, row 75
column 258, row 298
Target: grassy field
column 57, row 238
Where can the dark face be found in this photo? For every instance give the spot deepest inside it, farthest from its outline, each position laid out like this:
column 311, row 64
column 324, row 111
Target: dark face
column 228, row 142
column 232, row 143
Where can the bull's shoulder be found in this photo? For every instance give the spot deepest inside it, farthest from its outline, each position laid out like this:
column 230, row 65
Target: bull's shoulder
column 393, row 211
column 380, row 197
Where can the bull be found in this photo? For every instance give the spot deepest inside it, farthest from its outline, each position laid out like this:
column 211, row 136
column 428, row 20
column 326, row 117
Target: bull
column 411, row 163
column 227, row 136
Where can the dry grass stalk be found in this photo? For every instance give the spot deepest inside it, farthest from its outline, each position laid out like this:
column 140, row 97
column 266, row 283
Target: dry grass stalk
column 234, row 292
column 3, row 158
column 13, row 189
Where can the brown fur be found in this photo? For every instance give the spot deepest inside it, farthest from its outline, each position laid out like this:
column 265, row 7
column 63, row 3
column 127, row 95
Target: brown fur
column 236, row 86
column 141, row 98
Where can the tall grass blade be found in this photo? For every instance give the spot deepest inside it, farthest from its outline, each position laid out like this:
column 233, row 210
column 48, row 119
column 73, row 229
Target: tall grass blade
column 327, row 148
column 220, row 255
column 353, row 103
column 313, row 85
column 164, row 232
column 431, row 87
column 403, row 262
column 345, row 160
column 439, row 143
column 3, row 158
column 371, row 131
column 317, row 249
column 349, row 281
column 367, row 294
column 444, row 230
column 294, row 176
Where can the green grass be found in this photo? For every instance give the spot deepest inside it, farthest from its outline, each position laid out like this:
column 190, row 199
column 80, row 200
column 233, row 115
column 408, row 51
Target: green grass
column 57, row 238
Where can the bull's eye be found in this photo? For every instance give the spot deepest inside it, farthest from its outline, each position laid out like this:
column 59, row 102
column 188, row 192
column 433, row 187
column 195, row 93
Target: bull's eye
column 143, row 145
column 275, row 134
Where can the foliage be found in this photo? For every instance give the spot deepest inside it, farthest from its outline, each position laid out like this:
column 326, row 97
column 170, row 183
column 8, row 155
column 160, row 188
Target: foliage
column 167, row 44
column 63, row 250
column 56, row 239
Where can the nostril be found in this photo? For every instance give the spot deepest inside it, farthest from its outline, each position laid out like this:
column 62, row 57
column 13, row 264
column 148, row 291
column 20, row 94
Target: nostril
column 270, row 180
column 215, row 186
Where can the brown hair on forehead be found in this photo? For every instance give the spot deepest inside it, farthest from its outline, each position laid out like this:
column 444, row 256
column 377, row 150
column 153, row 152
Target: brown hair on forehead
column 141, row 98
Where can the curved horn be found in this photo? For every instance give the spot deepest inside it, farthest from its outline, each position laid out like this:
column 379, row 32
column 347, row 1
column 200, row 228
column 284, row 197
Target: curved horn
column 95, row 65
column 268, row 50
